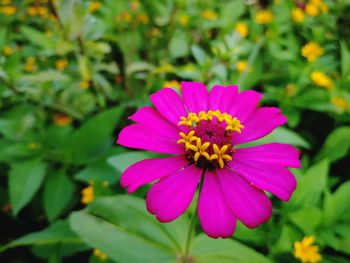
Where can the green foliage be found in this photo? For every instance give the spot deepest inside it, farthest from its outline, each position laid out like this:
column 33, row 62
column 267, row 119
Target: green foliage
column 72, row 71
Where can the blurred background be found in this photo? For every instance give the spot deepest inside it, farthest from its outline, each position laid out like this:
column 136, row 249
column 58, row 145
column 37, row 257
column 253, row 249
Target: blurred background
column 72, row 71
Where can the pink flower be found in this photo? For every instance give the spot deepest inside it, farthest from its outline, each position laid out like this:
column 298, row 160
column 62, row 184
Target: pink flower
column 201, row 132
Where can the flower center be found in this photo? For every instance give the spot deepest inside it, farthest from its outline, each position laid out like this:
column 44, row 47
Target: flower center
column 208, row 142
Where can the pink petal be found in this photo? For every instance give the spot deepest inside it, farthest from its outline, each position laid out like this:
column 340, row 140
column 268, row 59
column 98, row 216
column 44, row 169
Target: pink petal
column 273, row 153
column 140, row 137
column 169, row 105
column 195, row 96
column 150, row 118
column 248, row 204
column 146, row 171
column 215, row 216
column 222, row 98
column 170, row 197
column 273, row 178
column 245, row 104
column 262, row 122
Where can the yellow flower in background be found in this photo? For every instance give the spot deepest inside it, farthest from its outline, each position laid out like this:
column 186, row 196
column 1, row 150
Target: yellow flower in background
column 8, row 51
column 62, row 120
column 290, row 89
column 84, row 84
column 135, row 5
column 172, row 84
column 298, row 15
column 183, row 19
column 61, row 64
column 320, row 5
column 340, row 103
column 143, row 18
column 98, row 253
column 263, row 17
column 209, row 14
column 30, row 64
column 322, row 80
column 311, row 9
column 87, row 195
column 6, row 2
column 155, row 32
column 242, row 29
column 305, row 250
column 94, row 6
column 8, row 10
column 242, row 65
column 32, row 11
column 311, row 51
column 126, row 17
column 33, row 146
column 43, row 11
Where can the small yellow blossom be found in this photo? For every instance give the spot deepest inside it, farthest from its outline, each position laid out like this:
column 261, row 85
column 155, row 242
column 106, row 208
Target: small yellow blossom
column 242, row 29
column 311, row 9
column 94, row 6
column 87, row 195
column 29, row 65
column 135, row 5
column 43, row 11
column 84, row 84
column 320, row 5
column 183, row 19
column 172, row 84
column 242, row 65
column 48, row 33
column 143, row 18
column 155, row 32
column 322, row 80
column 32, row 146
column 32, row 11
column 6, row 2
column 98, row 253
column 8, row 51
column 126, row 17
column 8, row 10
column 298, row 15
column 311, row 51
column 263, row 17
column 340, row 103
column 290, row 89
column 62, row 120
column 306, row 251
column 61, row 64
column 209, row 15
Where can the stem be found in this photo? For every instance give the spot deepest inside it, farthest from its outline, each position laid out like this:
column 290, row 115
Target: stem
column 190, row 231
column 193, row 221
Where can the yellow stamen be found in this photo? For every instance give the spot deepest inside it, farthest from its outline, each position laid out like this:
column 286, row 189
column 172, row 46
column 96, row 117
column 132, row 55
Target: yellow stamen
column 201, row 150
column 220, row 155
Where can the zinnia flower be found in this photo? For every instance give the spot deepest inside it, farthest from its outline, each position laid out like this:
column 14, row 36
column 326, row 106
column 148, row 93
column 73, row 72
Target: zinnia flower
column 201, row 131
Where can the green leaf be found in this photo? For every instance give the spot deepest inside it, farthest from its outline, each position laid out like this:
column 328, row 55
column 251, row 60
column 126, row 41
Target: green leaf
column 97, row 131
column 37, row 38
column 199, row 54
column 205, row 249
column 227, row 15
column 345, row 60
column 311, row 185
column 178, row 45
column 97, row 171
column 337, row 205
column 306, row 219
column 58, row 192
column 116, row 224
column 289, row 234
column 122, row 161
column 337, row 144
column 25, row 179
column 59, row 232
column 130, row 212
